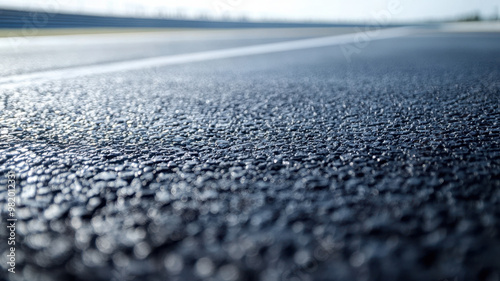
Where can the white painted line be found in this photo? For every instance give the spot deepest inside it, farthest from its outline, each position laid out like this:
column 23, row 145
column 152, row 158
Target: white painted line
column 34, row 43
column 16, row 81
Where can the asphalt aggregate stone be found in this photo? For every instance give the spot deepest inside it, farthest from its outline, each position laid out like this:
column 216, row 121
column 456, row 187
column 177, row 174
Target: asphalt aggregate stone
column 306, row 168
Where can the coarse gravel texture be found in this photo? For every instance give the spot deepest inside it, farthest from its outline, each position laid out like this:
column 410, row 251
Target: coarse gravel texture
column 273, row 167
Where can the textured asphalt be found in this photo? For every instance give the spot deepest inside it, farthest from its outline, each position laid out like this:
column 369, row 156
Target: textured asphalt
column 296, row 165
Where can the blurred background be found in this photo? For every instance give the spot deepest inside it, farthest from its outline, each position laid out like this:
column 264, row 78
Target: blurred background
column 334, row 11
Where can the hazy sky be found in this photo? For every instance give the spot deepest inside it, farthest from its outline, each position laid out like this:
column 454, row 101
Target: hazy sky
column 330, row 10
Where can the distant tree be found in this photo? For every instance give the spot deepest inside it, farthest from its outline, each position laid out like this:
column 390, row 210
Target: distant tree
column 472, row 17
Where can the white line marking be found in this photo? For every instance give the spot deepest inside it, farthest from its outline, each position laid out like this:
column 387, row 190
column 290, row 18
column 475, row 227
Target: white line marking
column 16, row 81
column 33, row 43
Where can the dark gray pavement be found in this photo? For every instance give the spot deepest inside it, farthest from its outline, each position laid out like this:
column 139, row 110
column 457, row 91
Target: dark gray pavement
column 294, row 165
column 21, row 55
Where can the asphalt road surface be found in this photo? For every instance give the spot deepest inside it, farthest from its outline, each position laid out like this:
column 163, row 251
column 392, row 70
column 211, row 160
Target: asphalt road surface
column 190, row 156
